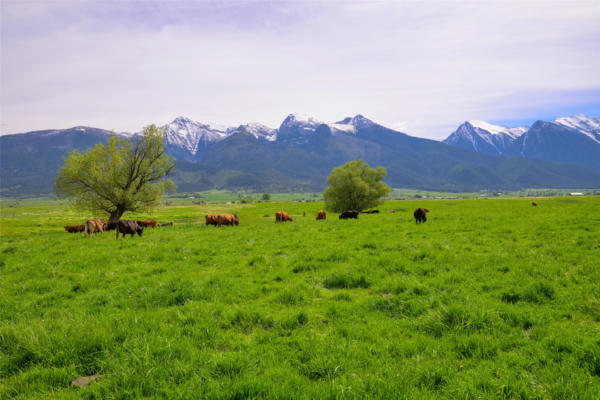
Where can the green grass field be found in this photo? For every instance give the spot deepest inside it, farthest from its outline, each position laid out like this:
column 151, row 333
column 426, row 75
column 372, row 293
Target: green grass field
column 488, row 299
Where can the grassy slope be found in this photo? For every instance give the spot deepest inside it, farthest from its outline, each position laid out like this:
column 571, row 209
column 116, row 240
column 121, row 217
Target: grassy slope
column 490, row 298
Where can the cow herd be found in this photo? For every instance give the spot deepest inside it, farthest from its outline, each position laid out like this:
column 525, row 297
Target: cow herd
column 419, row 214
column 127, row 227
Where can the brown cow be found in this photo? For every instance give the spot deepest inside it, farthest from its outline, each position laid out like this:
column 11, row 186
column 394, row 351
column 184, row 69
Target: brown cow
column 212, row 219
column 322, row 215
column 227, row 219
column 282, row 216
column 147, row 223
column 75, row 228
column 93, row 226
column 533, row 203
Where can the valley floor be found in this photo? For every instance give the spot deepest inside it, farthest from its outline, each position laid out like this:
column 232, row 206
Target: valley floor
column 487, row 299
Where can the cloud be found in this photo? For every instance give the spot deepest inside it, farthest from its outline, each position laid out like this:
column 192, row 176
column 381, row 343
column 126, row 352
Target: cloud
column 430, row 65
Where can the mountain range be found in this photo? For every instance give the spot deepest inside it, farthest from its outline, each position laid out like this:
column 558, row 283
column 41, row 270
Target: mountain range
column 301, row 152
column 574, row 139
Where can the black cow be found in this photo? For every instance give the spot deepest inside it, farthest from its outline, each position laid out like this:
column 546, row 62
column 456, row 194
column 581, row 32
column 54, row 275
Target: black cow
column 349, row 214
column 129, row 227
column 420, row 215
column 370, row 212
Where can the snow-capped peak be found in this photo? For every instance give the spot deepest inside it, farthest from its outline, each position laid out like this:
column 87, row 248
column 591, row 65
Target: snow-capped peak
column 186, row 133
column 297, row 128
column 257, row 130
column 584, row 124
column 300, row 119
column 360, row 121
column 484, row 137
column 182, row 120
column 497, row 129
column 350, row 124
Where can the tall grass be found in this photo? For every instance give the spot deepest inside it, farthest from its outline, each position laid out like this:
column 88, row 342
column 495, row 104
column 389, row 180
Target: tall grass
column 488, row 299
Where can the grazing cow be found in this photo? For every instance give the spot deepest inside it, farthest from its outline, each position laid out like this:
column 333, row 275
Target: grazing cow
column 282, row 216
column 170, row 223
column 147, row 223
column 420, row 215
column 533, row 203
column 93, row 226
column 212, row 219
column 392, row 211
column 370, row 212
column 349, row 214
column 75, row 228
column 129, row 227
column 322, row 215
column 227, row 219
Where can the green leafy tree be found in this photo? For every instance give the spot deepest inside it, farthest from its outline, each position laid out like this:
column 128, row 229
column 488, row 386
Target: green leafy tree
column 266, row 196
column 355, row 186
column 122, row 175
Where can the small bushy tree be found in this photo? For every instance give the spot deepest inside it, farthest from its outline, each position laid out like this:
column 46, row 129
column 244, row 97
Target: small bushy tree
column 266, row 196
column 355, row 186
column 122, row 175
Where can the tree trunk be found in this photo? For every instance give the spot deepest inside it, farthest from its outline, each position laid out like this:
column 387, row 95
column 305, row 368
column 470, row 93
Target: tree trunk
column 116, row 215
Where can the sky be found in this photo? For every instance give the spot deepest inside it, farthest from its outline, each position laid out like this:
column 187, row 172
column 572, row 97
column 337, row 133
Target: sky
column 421, row 67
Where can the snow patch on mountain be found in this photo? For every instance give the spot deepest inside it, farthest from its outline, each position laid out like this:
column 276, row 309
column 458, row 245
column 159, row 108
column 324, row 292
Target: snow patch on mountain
column 346, row 128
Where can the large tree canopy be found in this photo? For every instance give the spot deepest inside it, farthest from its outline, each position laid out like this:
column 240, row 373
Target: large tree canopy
column 355, row 186
column 122, row 175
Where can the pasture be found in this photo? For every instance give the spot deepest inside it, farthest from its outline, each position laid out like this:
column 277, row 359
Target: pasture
column 487, row 299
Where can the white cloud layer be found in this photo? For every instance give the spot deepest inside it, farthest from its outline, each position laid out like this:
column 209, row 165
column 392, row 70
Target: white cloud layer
column 422, row 67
